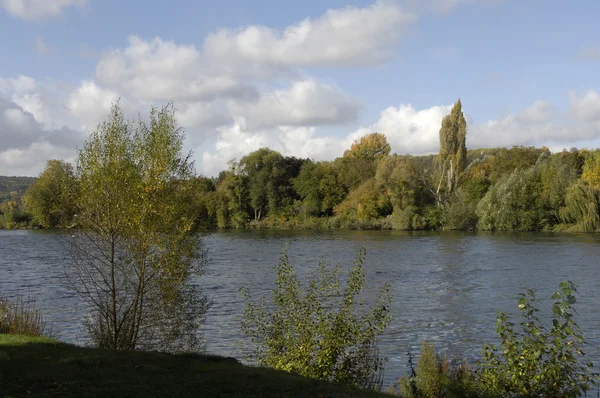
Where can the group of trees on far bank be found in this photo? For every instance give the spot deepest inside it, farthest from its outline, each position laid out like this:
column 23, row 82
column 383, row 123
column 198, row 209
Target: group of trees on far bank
column 514, row 189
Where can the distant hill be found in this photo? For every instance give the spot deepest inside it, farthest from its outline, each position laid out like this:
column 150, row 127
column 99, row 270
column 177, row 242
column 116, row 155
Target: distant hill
column 14, row 184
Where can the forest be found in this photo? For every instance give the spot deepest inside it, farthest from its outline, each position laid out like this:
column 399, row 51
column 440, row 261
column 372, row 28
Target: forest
column 504, row 189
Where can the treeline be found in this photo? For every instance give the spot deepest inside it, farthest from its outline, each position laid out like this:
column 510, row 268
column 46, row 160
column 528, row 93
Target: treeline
column 516, row 189
column 12, row 211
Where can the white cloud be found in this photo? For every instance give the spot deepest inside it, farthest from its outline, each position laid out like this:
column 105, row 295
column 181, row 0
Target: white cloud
column 348, row 36
column 25, row 145
column 305, row 103
column 409, row 130
column 90, row 104
column 236, row 141
column 32, row 10
column 31, row 161
column 586, row 107
column 160, row 70
column 19, row 85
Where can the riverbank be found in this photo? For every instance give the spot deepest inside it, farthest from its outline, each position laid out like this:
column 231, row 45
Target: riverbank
column 42, row 367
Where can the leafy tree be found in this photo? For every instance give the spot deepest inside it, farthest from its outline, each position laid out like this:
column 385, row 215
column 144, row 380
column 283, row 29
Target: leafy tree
column 353, row 172
column 319, row 186
column 398, row 177
column 460, row 212
column 371, row 147
column 504, row 161
column 591, row 168
column 453, row 150
column 320, row 331
column 230, row 199
column 51, row 199
column 269, row 180
column 513, row 204
column 582, row 206
column 365, row 203
column 204, row 201
column 137, row 248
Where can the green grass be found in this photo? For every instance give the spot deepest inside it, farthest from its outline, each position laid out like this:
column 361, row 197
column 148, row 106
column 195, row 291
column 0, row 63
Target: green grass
column 42, row 367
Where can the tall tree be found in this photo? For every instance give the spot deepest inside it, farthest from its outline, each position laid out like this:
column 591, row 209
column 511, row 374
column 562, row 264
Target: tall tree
column 453, row 149
column 137, row 247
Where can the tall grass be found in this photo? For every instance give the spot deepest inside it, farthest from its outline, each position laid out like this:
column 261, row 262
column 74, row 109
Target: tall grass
column 20, row 316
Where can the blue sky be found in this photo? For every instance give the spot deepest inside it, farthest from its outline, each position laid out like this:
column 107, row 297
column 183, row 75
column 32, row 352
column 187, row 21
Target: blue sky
column 305, row 78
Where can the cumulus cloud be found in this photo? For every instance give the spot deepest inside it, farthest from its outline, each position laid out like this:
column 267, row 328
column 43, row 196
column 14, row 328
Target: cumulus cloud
column 349, row 36
column 305, row 103
column 32, row 10
column 586, row 107
column 236, row 141
column 25, row 144
column 159, row 70
column 409, row 130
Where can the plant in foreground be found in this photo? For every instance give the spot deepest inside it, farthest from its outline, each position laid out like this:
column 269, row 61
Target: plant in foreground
column 538, row 361
column 19, row 316
column 320, row 331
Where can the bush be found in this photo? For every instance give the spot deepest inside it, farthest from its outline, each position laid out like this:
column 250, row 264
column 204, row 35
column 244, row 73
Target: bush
column 435, row 377
column 319, row 331
column 20, row 316
column 537, row 361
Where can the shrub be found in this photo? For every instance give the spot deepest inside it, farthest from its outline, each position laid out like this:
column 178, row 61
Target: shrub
column 537, row 361
column 20, row 316
column 437, row 377
column 319, row 331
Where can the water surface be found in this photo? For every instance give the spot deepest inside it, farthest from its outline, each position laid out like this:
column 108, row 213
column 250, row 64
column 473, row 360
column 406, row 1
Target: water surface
column 447, row 286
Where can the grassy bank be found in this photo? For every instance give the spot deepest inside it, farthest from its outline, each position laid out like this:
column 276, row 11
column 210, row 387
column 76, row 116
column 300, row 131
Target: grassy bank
column 42, row 367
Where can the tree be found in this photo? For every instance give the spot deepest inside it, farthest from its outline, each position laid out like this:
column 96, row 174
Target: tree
column 582, row 206
column 269, row 180
column 367, row 202
column 320, row 331
column 513, row 204
column 231, row 204
column 372, row 146
column 318, row 185
column 137, row 247
column 51, row 199
column 453, row 149
column 398, row 177
column 591, row 168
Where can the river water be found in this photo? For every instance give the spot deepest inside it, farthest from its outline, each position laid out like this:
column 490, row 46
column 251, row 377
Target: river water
column 447, row 286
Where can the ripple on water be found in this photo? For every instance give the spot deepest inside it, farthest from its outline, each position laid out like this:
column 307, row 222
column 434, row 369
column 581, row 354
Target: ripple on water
column 447, row 287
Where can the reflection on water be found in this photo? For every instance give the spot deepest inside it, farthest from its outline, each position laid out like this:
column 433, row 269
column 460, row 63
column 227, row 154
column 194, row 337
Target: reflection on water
column 447, row 286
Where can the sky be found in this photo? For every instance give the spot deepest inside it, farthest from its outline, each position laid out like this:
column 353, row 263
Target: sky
column 305, row 78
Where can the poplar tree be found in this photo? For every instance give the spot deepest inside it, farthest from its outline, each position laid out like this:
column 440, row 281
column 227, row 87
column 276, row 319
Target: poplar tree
column 453, row 150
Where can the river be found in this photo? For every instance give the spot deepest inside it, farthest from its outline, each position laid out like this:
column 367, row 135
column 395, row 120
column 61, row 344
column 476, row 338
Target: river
column 447, row 286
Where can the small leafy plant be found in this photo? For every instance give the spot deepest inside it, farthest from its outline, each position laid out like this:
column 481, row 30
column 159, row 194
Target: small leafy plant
column 320, row 330
column 538, row 361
